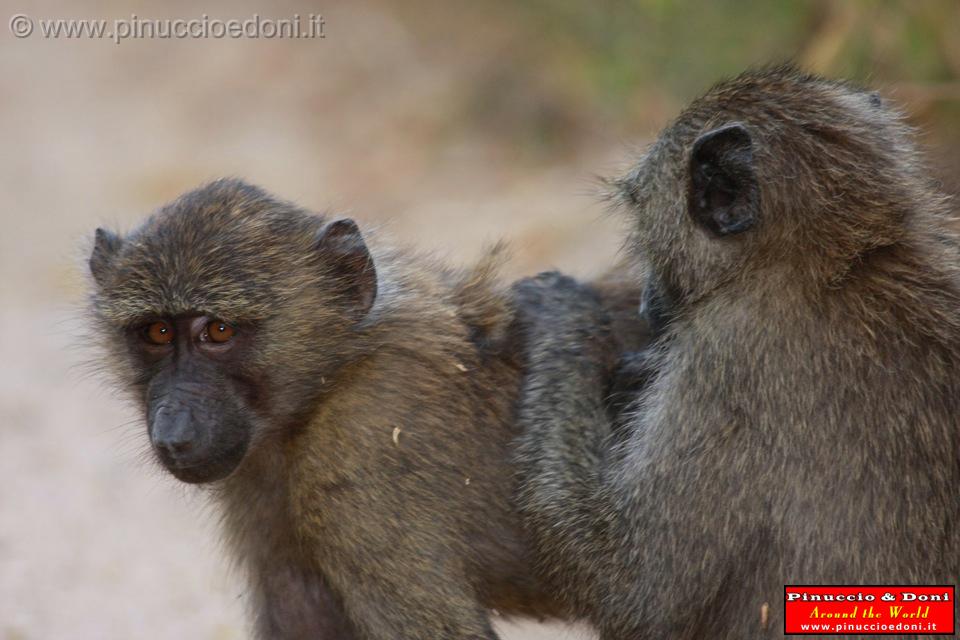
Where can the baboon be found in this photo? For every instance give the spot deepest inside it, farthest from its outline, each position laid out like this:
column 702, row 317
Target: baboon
column 801, row 422
column 350, row 409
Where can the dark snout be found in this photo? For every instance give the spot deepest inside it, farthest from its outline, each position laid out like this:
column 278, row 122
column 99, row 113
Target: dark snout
column 174, row 432
column 198, row 438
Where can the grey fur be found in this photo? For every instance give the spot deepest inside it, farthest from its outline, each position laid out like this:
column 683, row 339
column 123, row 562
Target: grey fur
column 803, row 423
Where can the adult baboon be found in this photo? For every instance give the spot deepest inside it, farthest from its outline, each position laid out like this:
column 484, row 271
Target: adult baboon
column 801, row 426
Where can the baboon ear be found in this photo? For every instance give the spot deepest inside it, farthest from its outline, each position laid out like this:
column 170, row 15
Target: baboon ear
column 106, row 245
column 724, row 195
column 342, row 247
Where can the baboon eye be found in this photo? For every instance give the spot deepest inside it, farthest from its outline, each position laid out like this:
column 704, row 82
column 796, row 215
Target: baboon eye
column 159, row 332
column 218, row 331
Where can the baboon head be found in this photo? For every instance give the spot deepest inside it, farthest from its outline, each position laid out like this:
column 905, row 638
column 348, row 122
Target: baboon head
column 223, row 313
column 774, row 170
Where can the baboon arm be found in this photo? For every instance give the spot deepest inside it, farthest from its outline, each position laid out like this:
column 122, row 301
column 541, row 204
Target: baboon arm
column 608, row 530
column 609, row 525
column 293, row 604
column 564, row 426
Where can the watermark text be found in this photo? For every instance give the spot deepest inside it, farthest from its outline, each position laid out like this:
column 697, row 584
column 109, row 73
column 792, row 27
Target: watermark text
column 134, row 27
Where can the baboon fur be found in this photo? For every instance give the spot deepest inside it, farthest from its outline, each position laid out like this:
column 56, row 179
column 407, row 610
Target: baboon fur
column 801, row 426
column 374, row 498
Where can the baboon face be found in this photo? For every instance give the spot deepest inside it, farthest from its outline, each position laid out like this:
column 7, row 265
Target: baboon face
column 223, row 314
column 198, row 411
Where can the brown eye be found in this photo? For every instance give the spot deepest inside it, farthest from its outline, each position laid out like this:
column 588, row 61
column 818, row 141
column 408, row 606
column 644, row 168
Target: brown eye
column 159, row 332
column 219, row 331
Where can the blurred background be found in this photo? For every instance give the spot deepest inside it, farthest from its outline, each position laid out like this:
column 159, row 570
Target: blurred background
column 445, row 124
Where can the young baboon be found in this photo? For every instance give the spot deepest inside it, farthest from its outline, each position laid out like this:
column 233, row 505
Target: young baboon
column 803, row 419
column 349, row 408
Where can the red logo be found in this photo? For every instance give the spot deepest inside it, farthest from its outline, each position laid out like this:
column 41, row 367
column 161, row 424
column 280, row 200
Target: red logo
column 874, row 610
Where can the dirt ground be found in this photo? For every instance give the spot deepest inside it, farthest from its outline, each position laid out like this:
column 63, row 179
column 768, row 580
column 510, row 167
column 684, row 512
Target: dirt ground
column 95, row 543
